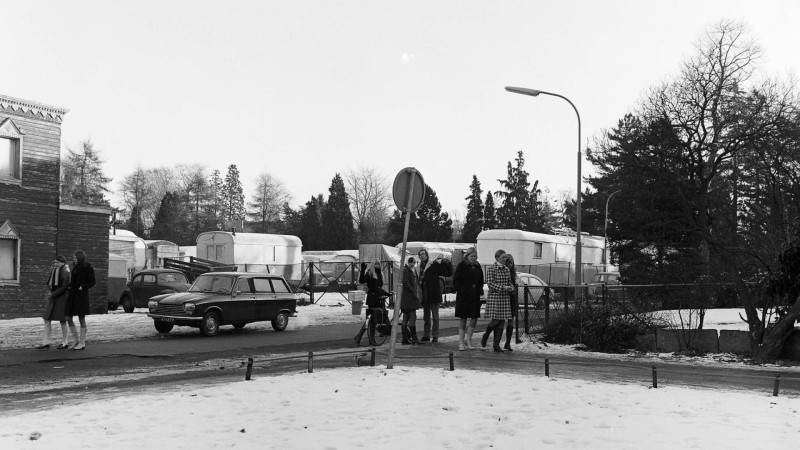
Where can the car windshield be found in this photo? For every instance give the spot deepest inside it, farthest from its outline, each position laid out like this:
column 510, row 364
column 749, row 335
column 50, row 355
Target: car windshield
column 213, row 283
column 172, row 278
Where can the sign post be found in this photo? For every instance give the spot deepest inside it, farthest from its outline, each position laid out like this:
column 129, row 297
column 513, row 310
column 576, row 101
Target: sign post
column 408, row 192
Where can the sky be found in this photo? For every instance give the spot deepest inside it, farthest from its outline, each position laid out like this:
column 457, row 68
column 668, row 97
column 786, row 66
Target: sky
column 305, row 90
column 467, row 409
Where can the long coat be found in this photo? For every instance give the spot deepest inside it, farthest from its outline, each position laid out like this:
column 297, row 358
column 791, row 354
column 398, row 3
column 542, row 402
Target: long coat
column 498, row 304
column 410, row 298
column 468, row 282
column 429, row 280
column 78, row 300
column 57, row 301
column 375, row 292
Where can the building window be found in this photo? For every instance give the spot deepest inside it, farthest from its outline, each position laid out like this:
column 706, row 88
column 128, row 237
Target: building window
column 9, row 158
column 9, row 253
column 537, row 249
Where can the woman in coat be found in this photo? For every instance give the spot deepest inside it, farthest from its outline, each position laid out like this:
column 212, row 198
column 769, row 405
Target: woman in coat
column 498, row 304
column 431, row 296
column 468, row 283
column 78, row 299
column 58, row 282
column 410, row 303
column 514, row 301
column 376, row 297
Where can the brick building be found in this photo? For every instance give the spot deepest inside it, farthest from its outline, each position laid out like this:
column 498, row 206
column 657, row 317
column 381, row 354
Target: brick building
column 34, row 226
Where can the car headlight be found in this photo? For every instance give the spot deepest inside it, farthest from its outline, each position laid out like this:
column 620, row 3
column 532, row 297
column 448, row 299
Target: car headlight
column 188, row 307
column 152, row 304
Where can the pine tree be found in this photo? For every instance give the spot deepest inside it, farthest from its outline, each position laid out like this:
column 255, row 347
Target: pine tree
column 311, row 223
column 473, row 223
column 428, row 223
column 515, row 210
column 171, row 223
column 233, row 195
column 82, row 178
column 489, row 213
column 338, row 232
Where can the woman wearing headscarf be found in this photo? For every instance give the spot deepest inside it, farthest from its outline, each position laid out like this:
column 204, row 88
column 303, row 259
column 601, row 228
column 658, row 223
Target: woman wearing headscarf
column 58, row 282
column 468, row 282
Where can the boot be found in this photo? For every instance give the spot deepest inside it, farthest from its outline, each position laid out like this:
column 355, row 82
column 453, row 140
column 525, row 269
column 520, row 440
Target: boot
column 461, row 345
column 414, row 338
column 406, row 336
column 64, row 336
column 486, row 334
column 371, row 335
column 81, row 341
column 498, row 336
column 73, row 332
column 357, row 338
column 468, row 338
column 509, row 333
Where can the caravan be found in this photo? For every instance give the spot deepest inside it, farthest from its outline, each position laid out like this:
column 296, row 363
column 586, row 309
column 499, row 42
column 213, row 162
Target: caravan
column 253, row 252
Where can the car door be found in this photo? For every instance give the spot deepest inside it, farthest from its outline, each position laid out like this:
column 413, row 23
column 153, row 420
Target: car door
column 143, row 287
column 283, row 298
column 263, row 299
column 242, row 308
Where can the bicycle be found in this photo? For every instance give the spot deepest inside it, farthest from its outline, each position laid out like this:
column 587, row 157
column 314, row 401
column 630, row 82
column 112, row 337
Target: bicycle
column 383, row 326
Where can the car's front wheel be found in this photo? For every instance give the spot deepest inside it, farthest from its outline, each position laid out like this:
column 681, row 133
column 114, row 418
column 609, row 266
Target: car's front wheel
column 127, row 304
column 280, row 322
column 163, row 327
column 209, row 326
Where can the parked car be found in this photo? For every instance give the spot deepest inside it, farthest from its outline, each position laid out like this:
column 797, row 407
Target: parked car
column 532, row 282
column 223, row 298
column 601, row 280
column 148, row 283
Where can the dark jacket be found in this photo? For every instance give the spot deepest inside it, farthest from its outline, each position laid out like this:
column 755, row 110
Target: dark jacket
column 57, row 303
column 375, row 293
column 468, row 283
column 429, row 279
column 78, row 300
column 410, row 298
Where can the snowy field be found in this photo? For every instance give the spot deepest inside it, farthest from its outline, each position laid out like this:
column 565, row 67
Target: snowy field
column 419, row 408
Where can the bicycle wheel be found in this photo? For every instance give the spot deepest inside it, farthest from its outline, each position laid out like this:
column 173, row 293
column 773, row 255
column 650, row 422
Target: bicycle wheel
column 376, row 336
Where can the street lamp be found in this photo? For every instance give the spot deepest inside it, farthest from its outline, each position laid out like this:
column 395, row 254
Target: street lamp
column 605, row 234
column 578, row 249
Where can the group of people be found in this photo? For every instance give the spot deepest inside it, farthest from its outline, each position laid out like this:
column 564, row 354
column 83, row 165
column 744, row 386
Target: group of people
column 68, row 297
column 422, row 289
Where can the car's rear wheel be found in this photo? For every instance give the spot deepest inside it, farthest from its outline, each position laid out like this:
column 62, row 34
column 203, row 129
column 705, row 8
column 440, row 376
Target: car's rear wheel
column 127, row 304
column 209, row 326
column 280, row 322
column 163, row 327
column 239, row 325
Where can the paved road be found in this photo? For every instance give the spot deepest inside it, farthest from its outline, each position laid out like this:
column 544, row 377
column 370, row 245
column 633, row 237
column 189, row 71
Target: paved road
column 31, row 379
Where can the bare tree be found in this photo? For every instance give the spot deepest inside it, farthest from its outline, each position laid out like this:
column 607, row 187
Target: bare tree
column 370, row 201
column 267, row 202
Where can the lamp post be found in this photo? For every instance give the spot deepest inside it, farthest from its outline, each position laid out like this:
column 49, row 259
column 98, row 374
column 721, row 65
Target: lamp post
column 578, row 249
column 605, row 234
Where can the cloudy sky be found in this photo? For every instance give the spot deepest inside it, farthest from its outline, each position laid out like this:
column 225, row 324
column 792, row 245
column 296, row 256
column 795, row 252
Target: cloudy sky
column 306, row 89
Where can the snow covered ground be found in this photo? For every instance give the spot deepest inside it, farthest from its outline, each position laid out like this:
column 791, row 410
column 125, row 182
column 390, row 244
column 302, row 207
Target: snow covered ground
column 421, row 408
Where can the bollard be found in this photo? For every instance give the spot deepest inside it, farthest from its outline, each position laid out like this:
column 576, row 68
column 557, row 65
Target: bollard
column 452, row 365
column 249, row 369
column 777, row 385
column 655, row 378
column 546, row 367
column 310, row 362
column 372, row 358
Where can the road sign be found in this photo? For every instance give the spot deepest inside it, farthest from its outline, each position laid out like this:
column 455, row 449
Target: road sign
column 407, row 179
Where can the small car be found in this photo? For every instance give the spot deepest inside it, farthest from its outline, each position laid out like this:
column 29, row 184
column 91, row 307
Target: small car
column 223, row 298
column 603, row 279
column 150, row 282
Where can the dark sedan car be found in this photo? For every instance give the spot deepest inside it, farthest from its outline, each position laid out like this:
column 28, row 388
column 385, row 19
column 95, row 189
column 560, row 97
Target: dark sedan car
column 149, row 283
column 222, row 298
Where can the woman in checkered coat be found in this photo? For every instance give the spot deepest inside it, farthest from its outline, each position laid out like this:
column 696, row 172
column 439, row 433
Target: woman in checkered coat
column 498, row 303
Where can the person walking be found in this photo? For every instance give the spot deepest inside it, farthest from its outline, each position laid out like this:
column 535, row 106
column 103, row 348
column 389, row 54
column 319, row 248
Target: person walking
column 468, row 283
column 409, row 303
column 58, row 282
column 498, row 307
column 78, row 298
column 429, row 273
column 373, row 278
column 513, row 300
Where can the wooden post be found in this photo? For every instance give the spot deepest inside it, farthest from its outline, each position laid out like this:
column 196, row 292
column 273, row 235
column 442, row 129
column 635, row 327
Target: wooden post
column 546, row 367
column 777, row 385
column 310, row 362
column 372, row 358
column 452, row 364
column 249, row 369
column 655, row 378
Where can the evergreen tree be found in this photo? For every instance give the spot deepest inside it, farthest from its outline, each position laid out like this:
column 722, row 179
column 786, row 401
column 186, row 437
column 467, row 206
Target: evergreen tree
column 233, row 195
column 311, row 223
column 473, row 223
column 428, row 223
column 489, row 213
column 214, row 207
column 338, row 232
column 134, row 222
column 516, row 210
column 291, row 223
column 82, row 178
column 171, row 223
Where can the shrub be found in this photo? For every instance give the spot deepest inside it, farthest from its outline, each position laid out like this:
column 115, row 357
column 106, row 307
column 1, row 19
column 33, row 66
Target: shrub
column 599, row 328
